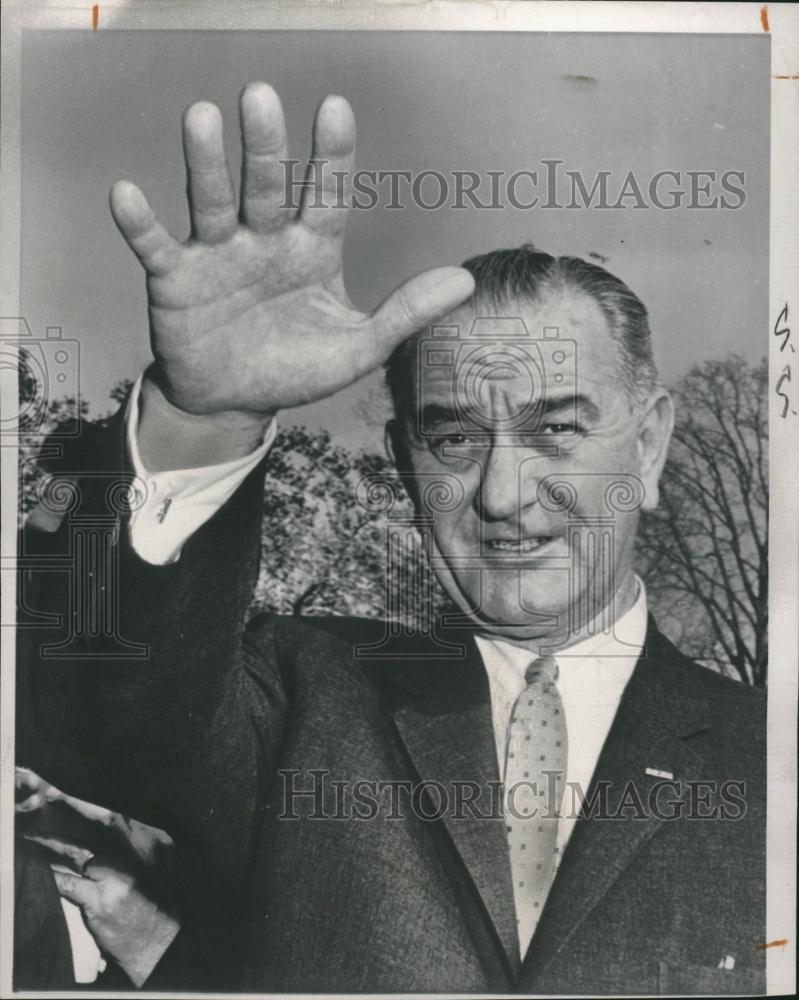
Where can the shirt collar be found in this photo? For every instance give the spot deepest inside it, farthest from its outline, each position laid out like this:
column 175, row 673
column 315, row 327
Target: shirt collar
column 626, row 640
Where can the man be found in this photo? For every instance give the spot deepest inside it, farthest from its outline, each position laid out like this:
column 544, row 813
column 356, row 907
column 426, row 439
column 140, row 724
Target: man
column 333, row 789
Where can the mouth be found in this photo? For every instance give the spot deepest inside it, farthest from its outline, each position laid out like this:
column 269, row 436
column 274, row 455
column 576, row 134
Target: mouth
column 518, row 547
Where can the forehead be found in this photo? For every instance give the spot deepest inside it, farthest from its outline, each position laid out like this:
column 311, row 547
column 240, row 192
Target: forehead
column 569, row 325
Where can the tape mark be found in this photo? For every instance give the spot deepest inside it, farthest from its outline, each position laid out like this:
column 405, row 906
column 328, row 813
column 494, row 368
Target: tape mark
column 764, row 18
column 95, row 16
column 773, row 944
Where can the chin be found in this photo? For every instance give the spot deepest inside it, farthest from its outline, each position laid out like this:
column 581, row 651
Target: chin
column 531, row 605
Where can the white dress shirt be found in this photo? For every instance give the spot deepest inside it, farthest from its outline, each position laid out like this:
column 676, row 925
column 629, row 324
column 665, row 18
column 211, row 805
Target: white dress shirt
column 592, row 676
column 178, row 502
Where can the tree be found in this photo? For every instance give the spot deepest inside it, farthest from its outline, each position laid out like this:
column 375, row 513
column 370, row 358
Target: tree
column 704, row 550
column 38, row 418
column 325, row 538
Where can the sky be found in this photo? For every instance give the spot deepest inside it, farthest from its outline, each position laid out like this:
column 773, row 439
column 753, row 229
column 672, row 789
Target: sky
column 99, row 106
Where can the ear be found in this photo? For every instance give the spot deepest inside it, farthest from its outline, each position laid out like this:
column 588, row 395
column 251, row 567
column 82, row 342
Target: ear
column 391, row 441
column 398, row 451
column 652, row 444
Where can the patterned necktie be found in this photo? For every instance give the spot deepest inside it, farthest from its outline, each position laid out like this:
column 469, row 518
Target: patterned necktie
column 535, row 772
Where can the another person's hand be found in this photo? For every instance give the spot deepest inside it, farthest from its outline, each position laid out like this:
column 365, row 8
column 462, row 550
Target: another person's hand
column 250, row 315
column 121, row 871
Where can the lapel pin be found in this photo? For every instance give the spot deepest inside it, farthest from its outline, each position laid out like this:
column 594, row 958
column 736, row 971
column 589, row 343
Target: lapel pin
column 727, row 962
column 659, row 774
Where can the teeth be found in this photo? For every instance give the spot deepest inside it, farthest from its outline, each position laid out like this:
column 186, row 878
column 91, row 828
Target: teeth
column 527, row 545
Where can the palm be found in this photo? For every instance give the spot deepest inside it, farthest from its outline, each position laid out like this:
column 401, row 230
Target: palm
column 250, row 314
column 259, row 310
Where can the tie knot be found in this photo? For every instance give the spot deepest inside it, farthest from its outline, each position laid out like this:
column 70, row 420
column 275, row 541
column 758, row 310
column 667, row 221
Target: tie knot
column 542, row 672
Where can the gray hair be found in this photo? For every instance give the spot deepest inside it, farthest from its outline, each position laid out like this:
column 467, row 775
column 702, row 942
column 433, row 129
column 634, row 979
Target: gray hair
column 527, row 274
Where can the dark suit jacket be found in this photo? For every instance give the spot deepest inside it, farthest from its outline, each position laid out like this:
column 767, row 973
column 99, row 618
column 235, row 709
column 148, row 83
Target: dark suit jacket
column 42, row 955
column 203, row 735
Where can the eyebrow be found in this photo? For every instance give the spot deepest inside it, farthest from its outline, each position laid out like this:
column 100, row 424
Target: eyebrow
column 584, row 407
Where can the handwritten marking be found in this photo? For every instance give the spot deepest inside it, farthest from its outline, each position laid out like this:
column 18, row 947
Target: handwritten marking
column 95, row 16
column 786, row 76
column 785, row 377
column 764, row 17
column 781, row 329
column 772, row 944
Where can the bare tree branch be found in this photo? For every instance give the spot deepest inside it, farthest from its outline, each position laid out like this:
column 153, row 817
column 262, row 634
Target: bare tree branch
column 708, row 541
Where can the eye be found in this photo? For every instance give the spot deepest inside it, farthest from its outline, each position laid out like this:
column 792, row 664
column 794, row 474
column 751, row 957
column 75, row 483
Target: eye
column 564, row 428
column 455, row 439
column 454, row 443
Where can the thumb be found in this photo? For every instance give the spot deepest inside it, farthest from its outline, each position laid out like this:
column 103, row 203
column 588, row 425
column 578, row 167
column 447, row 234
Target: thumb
column 81, row 891
column 420, row 301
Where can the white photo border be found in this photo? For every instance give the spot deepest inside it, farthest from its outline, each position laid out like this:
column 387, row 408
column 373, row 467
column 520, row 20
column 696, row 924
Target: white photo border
column 781, row 21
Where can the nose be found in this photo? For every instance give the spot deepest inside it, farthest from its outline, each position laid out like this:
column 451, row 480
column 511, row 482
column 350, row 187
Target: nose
column 509, row 480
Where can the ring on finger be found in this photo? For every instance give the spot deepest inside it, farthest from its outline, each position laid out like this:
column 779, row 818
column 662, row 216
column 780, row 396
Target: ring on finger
column 84, row 864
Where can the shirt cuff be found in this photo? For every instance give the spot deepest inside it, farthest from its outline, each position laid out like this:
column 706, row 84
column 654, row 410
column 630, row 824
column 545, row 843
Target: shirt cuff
column 176, row 503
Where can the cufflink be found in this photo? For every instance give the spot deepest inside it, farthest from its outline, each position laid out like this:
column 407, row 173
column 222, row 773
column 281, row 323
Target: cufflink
column 164, row 509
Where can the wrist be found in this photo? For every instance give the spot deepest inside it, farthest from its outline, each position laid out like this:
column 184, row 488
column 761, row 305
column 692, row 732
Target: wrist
column 172, row 438
column 150, row 949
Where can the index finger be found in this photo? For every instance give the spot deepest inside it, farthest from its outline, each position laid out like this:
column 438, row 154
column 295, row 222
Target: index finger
column 76, row 821
column 214, row 216
column 90, row 811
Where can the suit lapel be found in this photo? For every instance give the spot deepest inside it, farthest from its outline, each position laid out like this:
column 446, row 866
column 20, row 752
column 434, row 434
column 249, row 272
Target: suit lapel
column 444, row 718
column 442, row 710
column 657, row 710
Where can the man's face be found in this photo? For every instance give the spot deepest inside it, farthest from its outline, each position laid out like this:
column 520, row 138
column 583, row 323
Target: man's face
column 508, row 419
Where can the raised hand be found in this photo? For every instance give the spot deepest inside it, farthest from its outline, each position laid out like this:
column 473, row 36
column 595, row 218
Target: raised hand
column 250, row 315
